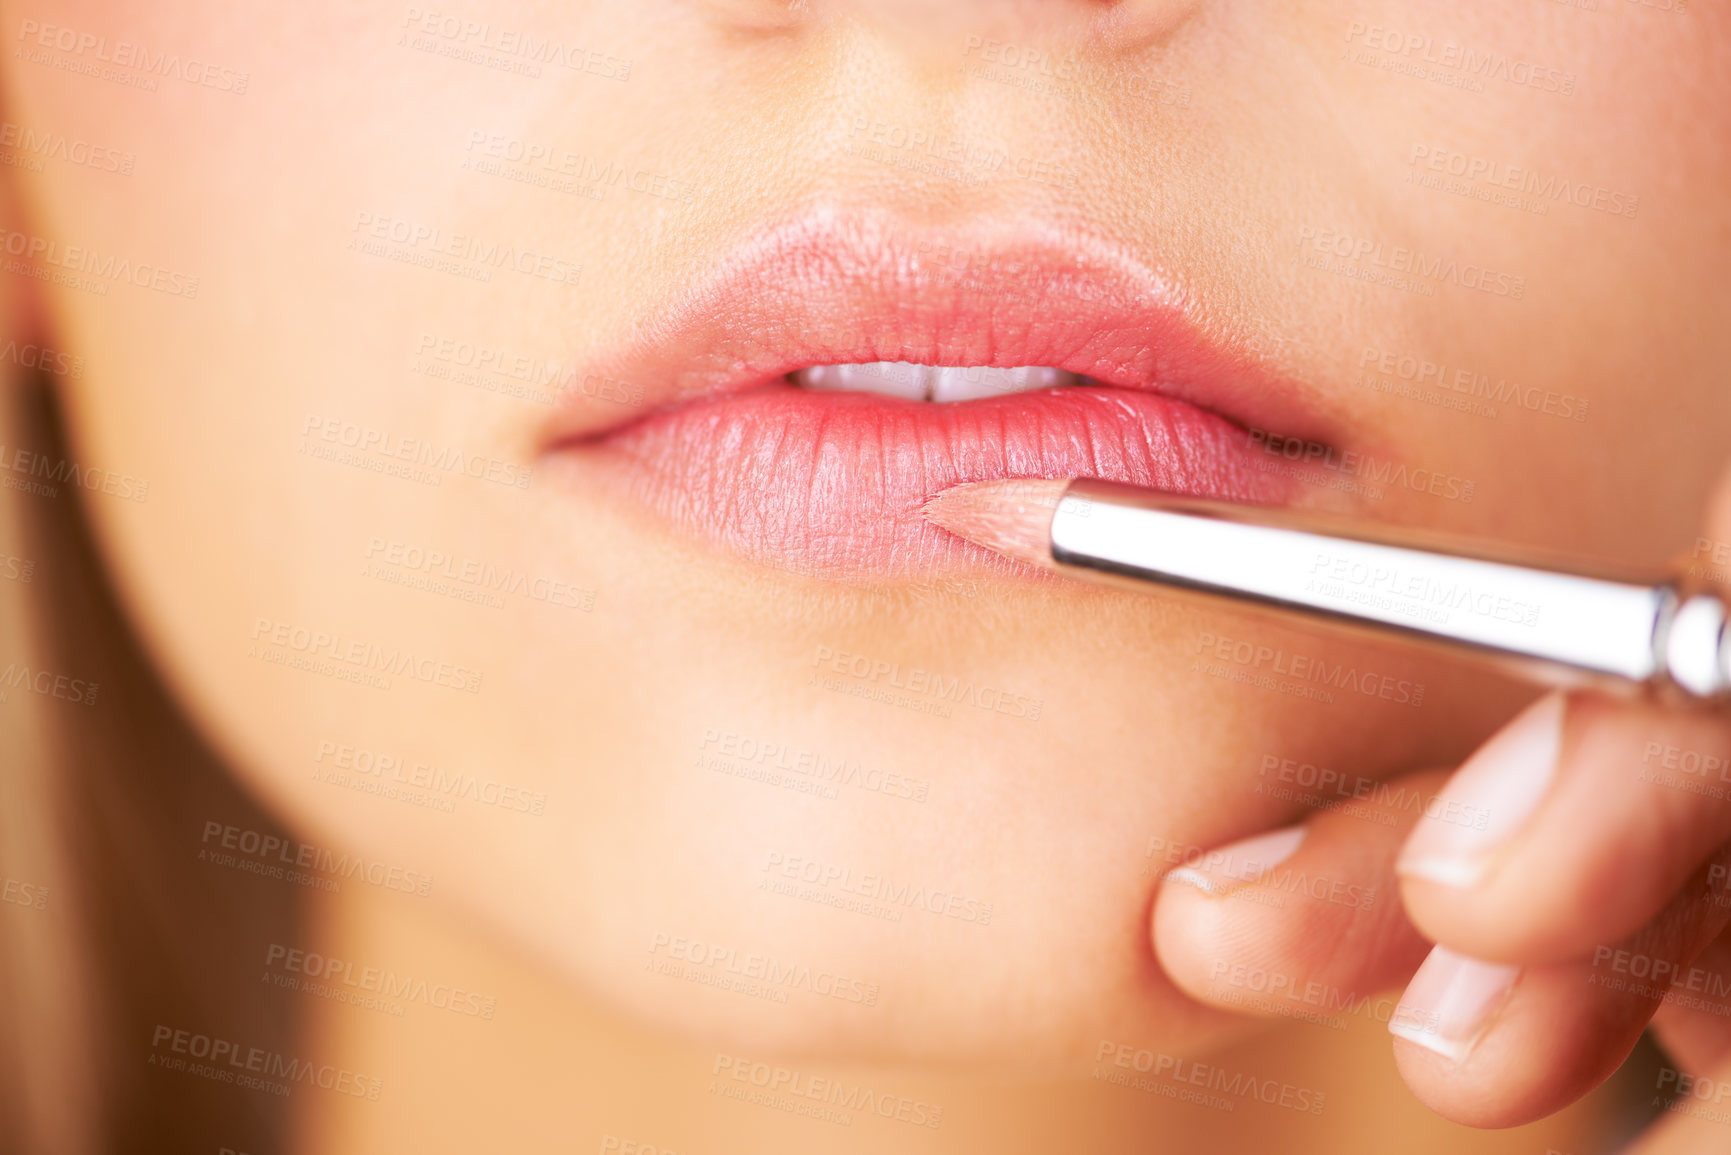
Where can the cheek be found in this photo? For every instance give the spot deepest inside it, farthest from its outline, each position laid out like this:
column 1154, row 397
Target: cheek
column 913, row 872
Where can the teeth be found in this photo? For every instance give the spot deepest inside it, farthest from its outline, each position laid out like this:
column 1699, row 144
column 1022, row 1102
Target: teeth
column 896, row 378
column 965, row 384
column 933, row 382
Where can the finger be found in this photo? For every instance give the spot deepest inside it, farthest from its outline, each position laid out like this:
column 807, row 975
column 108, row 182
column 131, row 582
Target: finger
column 1298, row 922
column 1693, row 1023
column 1571, row 828
column 1496, row 1045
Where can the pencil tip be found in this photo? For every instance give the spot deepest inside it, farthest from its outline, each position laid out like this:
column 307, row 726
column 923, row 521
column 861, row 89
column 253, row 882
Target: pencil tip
column 1012, row 517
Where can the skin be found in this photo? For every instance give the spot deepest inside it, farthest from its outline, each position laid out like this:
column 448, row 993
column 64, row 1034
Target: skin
column 1281, row 141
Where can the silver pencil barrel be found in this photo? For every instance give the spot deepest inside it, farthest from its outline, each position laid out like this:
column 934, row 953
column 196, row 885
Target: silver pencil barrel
column 1575, row 627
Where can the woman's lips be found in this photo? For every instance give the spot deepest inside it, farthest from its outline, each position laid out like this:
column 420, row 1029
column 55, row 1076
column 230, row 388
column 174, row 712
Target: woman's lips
column 833, row 482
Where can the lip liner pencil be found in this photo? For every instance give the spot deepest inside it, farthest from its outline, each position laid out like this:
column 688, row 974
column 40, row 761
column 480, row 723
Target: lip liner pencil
column 1553, row 624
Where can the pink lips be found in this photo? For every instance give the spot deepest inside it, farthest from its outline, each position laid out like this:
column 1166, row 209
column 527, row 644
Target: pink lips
column 822, row 482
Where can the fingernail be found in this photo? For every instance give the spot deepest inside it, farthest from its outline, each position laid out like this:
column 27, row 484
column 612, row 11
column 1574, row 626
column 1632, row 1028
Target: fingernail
column 1221, row 871
column 1451, row 1002
column 1490, row 798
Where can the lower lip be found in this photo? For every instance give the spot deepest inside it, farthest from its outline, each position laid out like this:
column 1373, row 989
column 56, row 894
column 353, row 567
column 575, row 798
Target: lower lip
column 832, row 484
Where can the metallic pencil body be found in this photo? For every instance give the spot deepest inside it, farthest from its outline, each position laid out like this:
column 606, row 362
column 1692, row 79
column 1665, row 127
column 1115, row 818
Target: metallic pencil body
column 1568, row 627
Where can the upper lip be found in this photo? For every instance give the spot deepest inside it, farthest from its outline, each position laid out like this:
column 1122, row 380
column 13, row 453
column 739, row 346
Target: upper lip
column 834, row 285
